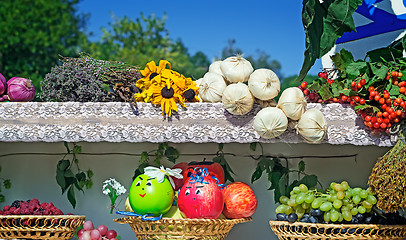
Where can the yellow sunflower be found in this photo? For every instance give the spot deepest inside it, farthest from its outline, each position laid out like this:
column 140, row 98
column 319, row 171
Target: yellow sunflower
column 185, row 86
column 164, row 94
column 151, row 73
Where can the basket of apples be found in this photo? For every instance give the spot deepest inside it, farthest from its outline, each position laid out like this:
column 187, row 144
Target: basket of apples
column 339, row 212
column 197, row 205
column 34, row 220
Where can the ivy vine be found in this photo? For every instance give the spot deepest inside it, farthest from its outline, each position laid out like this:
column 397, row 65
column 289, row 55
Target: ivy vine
column 6, row 184
column 279, row 174
column 220, row 159
column 154, row 157
column 69, row 175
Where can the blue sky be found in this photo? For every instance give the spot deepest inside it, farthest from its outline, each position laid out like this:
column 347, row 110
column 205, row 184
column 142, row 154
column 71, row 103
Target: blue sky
column 273, row 26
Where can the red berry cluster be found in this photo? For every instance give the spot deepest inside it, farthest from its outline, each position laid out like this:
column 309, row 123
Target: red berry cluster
column 311, row 96
column 325, row 75
column 392, row 110
column 31, row 207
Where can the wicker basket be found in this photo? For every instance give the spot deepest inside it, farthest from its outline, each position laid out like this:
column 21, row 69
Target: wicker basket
column 39, row 227
column 170, row 228
column 298, row 231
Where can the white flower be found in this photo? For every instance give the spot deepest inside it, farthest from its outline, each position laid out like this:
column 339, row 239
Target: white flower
column 113, row 186
column 160, row 173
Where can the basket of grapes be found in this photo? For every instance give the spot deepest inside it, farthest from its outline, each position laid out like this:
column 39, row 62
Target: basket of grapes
column 34, row 220
column 339, row 212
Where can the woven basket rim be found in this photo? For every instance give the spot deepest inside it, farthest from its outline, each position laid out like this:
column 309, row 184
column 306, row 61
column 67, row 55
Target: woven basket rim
column 332, row 225
column 42, row 216
column 171, row 221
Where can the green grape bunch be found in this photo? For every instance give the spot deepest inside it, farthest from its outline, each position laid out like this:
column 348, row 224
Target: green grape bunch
column 339, row 203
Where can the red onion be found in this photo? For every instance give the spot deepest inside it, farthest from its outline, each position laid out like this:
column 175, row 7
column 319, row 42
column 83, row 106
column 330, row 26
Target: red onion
column 20, row 89
column 3, row 84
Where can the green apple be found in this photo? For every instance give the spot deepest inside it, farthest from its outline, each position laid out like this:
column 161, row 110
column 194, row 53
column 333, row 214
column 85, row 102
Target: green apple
column 148, row 196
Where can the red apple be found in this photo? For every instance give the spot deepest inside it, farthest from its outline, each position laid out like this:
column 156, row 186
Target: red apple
column 215, row 169
column 179, row 182
column 239, row 200
column 201, row 199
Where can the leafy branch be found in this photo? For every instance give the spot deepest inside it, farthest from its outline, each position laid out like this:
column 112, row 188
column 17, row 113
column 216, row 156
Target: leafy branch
column 324, row 22
column 69, row 178
column 6, row 184
column 146, row 159
column 278, row 174
column 220, row 159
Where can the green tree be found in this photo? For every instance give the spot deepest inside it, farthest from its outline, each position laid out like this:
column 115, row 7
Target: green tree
column 35, row 33
column 260, row 60
column 143, row 40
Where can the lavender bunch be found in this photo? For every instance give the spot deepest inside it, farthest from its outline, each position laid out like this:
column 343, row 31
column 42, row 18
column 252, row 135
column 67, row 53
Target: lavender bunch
column 72, row 82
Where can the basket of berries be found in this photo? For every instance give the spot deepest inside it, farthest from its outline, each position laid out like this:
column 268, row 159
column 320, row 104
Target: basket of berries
column 34, row 220
column 339, row 212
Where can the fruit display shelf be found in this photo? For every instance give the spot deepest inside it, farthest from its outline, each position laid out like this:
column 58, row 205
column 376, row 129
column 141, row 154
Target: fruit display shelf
column 39, row 226
column 171, row 228
column 197, row 123
column 301, row 231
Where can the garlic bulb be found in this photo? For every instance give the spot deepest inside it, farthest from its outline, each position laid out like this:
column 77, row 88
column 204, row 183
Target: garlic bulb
column 312, row 126
column 264, row 84
column 266, row 103
column 236, row 69
column 292, row 102
column 198, row 82
column 211, row 87
column 237, row 99
column 215, row 67
column 270, row 122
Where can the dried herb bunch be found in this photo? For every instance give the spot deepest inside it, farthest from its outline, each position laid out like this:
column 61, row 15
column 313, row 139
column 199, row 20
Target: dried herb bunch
column 387, row 179
column 85, row 79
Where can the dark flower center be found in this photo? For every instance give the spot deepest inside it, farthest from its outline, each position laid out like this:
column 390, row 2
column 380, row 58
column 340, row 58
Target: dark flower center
column 153, row 75
column 167, row 92
column 189, row 94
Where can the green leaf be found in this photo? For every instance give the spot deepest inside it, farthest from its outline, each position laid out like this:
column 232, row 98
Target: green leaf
column 63, row 165
column 77, row 149
column 386, row 53
column 365, row 106
column 342, row 60
column 144, row 157
column 310, row 181
column 81, row 176
column 67, row 147
column 256, row 175
column 89, row 184
column 325, row 92
column 71, row 196
column 172, row 154
column 301, row 166
column 253, row 146
column 2, row 198
column 274, row 178
column 7, row 184
column 60, row 179
column 354, row 69
column 379, row 70
column 68, row 173
column 323, row 24
column 315, row 86
column 394, row 91
column 90, row 173
column 336, row 87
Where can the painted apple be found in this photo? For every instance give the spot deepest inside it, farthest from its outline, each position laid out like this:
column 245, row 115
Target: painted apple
column 215, row 169
column 239, row 200
column 202, row 199
column 179, row 182
column 148, row 196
